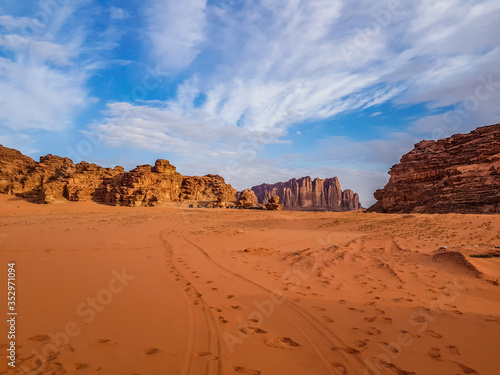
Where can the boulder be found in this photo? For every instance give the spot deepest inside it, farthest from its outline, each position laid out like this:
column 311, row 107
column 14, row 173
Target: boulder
column 274, row 204
column 247, row 199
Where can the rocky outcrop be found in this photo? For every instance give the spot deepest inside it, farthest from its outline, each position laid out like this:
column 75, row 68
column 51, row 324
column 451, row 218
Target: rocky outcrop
column 456, row 174
column 304, row 193
column 274, row 204
column 247, row 199
column 57, row 179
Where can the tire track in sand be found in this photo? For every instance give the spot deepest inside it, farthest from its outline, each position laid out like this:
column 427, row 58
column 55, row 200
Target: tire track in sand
column 203, row 350
column 324, row 342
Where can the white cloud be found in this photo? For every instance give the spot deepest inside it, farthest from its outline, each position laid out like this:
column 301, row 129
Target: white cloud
column 41, row 86
column 116, row 13
column 35, row 50
column 272, row 66
column 44, row 67
column 176, row 32
column 13, row 23
column 34, row 96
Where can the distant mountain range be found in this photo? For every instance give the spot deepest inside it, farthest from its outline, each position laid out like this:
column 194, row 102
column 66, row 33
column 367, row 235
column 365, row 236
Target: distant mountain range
column 307, row 194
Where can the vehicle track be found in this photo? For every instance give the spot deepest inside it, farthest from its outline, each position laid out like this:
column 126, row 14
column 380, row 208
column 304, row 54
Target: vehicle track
column 320, row 337
column 203, row 350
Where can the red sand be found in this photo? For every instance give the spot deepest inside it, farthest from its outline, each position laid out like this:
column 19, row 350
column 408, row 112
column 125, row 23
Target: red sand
column 173, row 290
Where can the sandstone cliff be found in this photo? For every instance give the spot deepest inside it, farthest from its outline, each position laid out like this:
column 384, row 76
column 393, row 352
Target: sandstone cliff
column 57, row 179
column 456, row 174
column 305, row 193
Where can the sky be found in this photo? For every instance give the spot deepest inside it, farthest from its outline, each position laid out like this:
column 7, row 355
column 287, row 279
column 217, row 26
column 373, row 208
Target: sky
column 258, row 91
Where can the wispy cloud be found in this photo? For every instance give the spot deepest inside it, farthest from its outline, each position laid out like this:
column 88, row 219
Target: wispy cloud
column 45, row 63
column 271, row 66
column 176, row 32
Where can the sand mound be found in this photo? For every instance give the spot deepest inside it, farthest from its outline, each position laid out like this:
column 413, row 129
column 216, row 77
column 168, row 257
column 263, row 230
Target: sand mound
column 456, row 260
column 258, row 250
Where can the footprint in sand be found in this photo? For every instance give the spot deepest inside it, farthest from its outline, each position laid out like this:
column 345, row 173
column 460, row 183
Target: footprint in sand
column 390, row 347
column 208, row 355
column 229, row 296
column 245, row 371
column 339, row 368
column 251, row 330
column 281, row 343
column 347, row 350
column 101, row 342
column 434, row 353
column 222, row 320
column 371, row 319
column 360, row 343
column 374, row 331
column 467, row 370
column 433, row 334
column 39, row 338
column 318, row 308
column 236, row 307
column 80, row 366
column 327, row 319
column 453, row 350
column 150, row 351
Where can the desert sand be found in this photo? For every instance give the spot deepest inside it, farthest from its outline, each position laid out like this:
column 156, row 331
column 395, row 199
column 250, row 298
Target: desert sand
column 178, row 290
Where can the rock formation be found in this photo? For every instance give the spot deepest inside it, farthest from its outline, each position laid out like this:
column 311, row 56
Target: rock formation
column 274, row 204
column 305, row 193
column 56, row 179
column 247, row 199
column 456, row 174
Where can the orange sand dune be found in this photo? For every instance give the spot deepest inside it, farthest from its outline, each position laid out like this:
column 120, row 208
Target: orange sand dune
column 174, row 290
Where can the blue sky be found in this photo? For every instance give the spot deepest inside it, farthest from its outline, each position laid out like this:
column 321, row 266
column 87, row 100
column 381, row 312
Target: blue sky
column 257, row 90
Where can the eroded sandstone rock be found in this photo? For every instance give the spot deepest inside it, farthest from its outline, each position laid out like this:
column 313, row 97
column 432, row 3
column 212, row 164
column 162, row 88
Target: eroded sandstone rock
column 455, row 174
column 247, row 199
column 57, row 179
column 274, row 204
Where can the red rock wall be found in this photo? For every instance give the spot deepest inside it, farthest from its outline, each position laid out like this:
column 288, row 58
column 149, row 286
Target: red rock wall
column 304, row 193
column 56, row 179
column 456, row 174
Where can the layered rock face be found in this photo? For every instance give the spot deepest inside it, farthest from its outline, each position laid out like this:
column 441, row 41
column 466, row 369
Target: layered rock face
column 456, row 174
column 56, row 179
column 305, row 193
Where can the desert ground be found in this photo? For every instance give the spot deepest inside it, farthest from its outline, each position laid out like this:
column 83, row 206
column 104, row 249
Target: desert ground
column 178, row 290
